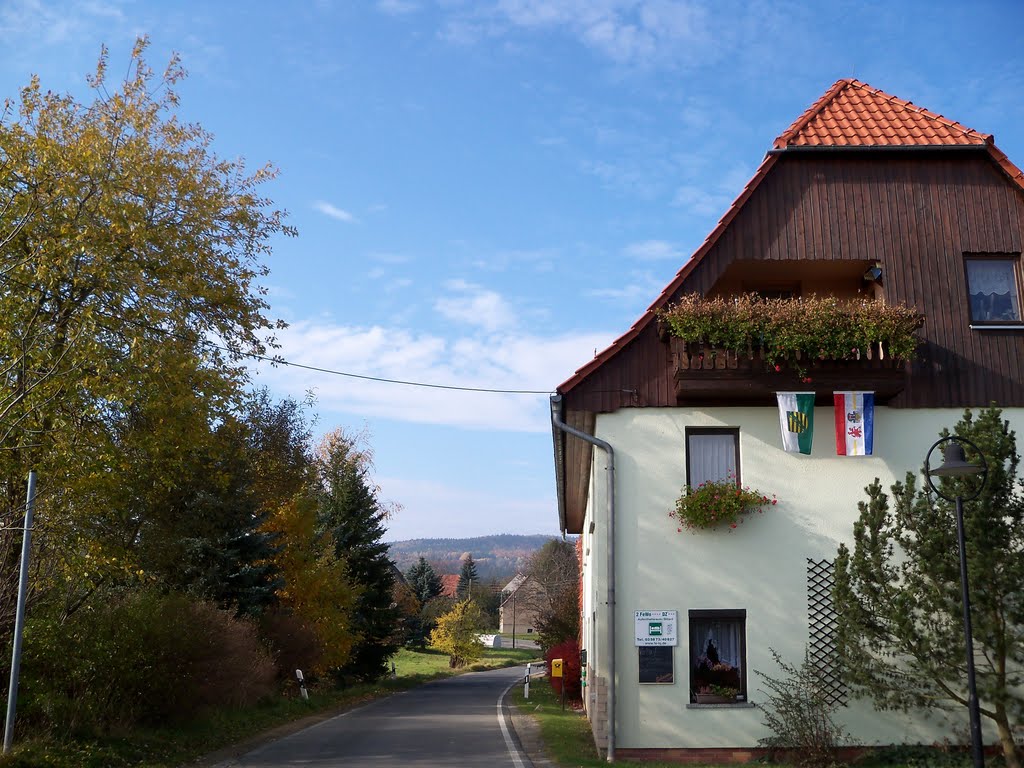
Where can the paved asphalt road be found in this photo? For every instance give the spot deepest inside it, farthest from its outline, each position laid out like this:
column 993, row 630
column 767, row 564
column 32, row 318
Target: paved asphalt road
column 454, row 722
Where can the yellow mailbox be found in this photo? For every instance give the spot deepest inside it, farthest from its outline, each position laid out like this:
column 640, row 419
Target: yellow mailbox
column 556, row 667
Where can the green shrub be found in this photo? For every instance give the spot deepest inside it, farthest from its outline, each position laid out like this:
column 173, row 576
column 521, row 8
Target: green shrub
column 138, row 658
column 799, row 711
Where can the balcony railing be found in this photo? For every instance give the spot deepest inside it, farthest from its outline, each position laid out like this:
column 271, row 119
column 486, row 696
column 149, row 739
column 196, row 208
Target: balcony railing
column 706, row 373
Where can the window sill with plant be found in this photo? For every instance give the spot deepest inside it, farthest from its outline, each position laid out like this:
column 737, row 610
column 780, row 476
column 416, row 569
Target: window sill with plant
column 718, row 504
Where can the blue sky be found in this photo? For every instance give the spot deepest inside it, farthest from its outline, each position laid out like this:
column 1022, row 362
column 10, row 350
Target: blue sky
column 487, row 191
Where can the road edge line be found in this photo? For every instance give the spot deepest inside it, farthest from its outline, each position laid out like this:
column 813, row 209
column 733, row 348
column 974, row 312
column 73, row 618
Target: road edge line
column 513, row 750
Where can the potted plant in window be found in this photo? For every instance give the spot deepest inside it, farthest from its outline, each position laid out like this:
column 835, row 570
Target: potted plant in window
column 714, row 681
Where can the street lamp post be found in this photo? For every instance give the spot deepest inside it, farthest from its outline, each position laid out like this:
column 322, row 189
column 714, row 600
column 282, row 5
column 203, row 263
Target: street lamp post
column 954, row 464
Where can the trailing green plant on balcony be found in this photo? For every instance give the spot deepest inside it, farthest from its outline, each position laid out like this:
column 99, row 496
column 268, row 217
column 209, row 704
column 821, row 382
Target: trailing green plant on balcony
column 787, row 330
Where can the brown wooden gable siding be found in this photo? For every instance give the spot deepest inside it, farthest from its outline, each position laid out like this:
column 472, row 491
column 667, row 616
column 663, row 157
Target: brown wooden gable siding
column 917, row 212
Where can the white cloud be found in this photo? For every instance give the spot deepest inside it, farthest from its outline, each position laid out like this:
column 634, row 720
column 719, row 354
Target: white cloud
column 716, row 199
column 652, row 250
column 643, row 288
column 538, row 260
column 475, row 305
column 508, row 360
column 636, row 33
column 334, row 212
column 386, row 257
column 701, row 202
column 33, row 20
column 397, row 7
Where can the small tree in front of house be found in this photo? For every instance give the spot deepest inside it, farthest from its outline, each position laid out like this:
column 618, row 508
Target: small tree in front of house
column 800, row 710
column 456, row 634
column 554, row 572
column 898, row 593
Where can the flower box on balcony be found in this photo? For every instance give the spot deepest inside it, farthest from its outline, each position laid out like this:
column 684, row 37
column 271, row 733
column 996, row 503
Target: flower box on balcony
column 748, row 347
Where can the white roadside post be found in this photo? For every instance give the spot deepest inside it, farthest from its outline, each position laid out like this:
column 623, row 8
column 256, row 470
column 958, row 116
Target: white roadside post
column 526, row 683
column 302, row 684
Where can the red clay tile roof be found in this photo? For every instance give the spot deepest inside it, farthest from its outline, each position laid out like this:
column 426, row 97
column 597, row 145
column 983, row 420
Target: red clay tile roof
column 853, row 114
column 849, row 114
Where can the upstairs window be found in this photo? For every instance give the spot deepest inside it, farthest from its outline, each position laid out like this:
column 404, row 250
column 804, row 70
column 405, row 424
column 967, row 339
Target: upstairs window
column 993, row 289
column 712, row 455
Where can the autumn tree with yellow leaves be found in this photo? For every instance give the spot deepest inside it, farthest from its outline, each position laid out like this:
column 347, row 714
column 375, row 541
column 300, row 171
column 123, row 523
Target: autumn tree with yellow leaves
column 126, row 244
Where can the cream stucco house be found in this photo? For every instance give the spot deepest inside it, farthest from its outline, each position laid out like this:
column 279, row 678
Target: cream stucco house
column 519, row 602
column 865, row 195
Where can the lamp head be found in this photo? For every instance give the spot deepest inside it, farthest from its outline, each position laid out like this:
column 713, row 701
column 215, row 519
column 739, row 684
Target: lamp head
column 873, row 274
column 954, row 462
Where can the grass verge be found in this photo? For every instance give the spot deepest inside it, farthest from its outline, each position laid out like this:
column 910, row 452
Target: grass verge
column 569, row 743
column 184, row 744
column 566, row 734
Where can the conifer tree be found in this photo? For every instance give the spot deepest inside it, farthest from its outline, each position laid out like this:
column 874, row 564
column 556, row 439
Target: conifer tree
column 424, row 581
column 349, row 509
column 467, row 578
column 898, row 592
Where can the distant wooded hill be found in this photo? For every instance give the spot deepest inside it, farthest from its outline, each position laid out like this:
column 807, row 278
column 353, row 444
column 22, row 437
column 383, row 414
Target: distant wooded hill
column 498, row 558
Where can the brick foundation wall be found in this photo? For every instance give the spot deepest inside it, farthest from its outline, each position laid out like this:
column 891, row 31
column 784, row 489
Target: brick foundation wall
column 717, row 755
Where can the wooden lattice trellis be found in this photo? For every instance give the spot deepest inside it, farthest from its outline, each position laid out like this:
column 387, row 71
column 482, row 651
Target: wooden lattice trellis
column 821, row 623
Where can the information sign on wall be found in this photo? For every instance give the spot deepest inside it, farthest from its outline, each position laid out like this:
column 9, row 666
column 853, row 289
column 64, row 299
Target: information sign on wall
column 655, row 628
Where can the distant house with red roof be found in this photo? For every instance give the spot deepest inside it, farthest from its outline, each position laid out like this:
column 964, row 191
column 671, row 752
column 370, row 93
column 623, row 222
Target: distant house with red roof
column 865, row 198
column 450, row 584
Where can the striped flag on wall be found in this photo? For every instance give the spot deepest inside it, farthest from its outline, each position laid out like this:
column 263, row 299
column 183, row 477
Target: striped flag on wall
column 796, row 417
column 855, row 423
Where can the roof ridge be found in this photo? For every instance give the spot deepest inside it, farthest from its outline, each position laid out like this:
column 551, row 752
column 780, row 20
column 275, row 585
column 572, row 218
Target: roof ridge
column 853, row 82
column 782, row 141
column 827, row 122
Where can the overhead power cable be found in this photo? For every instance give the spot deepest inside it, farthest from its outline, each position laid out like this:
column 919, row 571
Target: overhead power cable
column 281, row 361
column 275, row 360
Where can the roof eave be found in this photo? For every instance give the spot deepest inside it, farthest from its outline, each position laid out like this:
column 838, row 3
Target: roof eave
column 812, row 148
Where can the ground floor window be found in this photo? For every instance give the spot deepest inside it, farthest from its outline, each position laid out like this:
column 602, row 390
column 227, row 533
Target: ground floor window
column 718, row 656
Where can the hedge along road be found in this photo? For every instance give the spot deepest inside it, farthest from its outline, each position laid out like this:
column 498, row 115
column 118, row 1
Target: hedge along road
column 459, row 721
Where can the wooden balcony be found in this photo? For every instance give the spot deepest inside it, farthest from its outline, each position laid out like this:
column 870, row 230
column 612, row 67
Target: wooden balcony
column 706, row 375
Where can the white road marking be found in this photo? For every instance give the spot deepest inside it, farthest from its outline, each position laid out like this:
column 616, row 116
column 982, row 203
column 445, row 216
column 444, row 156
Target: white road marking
column 512, row 751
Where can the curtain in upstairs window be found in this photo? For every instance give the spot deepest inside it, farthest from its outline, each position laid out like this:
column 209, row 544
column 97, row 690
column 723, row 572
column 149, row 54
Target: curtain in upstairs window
column 711, row 457
column 992, row 285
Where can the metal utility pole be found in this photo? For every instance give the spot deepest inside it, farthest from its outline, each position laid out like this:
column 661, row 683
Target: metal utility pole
column 19, row 618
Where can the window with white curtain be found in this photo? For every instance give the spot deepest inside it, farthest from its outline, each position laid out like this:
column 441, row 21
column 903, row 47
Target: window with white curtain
column 992, row 289
column 718, row 656
column 712, row 454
